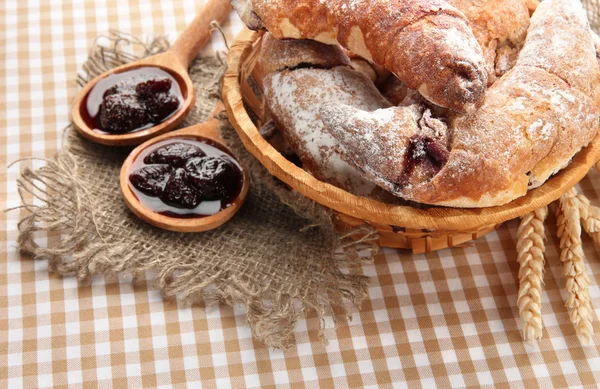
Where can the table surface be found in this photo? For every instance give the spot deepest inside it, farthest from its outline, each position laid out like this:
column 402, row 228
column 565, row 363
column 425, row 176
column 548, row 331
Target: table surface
column 446, row 319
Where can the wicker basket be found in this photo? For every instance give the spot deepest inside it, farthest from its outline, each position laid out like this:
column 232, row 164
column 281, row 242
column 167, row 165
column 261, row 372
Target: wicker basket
column 422, row 230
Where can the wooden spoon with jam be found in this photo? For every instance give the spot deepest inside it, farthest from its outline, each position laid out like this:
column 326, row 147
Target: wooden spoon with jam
column 186, row 180
column 132, row 103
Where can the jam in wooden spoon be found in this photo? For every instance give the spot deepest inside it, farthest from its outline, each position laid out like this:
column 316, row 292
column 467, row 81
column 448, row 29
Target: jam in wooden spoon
column 186, row 177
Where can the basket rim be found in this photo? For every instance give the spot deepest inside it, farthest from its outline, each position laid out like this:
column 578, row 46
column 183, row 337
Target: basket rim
column 370, row 210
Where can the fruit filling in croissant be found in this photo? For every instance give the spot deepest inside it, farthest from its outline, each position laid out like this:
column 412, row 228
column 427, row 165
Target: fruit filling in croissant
column 541, row 108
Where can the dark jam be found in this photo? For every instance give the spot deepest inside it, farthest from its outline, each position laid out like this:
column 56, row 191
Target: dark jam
column 186, row 177
column 132, row 101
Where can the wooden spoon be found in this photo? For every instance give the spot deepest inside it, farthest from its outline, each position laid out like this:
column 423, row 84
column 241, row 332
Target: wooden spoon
column 175, row 61
column 208, row 130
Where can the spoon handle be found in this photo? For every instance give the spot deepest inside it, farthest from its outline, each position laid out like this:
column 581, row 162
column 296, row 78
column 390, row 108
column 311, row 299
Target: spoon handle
column 197, row 34
column 208, row 129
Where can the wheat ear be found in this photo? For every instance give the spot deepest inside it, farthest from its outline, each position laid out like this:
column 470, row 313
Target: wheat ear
column 571, row 256
column 530, row 254
column 590, row 217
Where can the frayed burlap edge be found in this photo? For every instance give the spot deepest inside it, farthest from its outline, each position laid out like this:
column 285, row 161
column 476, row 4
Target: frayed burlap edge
column 63, row 207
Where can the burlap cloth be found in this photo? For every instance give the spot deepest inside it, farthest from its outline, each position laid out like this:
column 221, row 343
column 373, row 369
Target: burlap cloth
column 277, row 256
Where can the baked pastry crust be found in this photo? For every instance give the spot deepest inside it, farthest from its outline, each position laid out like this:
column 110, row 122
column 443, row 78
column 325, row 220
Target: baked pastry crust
column 427, row 44
column 302, row 74
column 500, row 27
column 533, row 121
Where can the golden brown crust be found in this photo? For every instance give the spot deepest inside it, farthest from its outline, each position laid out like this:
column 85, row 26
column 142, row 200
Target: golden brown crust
column 526, row 119
column 428, row 44
column 500, row 27
column 578, row 68
column 534, row 119
column 561, row 42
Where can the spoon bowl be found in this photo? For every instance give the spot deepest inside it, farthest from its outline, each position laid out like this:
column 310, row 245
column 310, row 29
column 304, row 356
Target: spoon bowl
column 207, row 130
column 174, row 61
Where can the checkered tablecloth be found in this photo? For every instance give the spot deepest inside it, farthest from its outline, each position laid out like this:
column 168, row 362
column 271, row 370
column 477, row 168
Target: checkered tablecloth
column 446, row 319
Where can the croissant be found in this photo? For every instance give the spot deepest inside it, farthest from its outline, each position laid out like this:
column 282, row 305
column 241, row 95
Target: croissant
column 298, row 73
column 500, row 27
column 533, row 121
column 427, row 44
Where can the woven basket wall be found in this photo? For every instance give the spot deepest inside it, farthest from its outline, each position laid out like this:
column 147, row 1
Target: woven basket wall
column 421, row 230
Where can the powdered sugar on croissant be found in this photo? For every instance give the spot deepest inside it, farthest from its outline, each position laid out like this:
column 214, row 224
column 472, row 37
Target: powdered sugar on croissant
column 534, row 119
column 409, row 138
column 300, row 74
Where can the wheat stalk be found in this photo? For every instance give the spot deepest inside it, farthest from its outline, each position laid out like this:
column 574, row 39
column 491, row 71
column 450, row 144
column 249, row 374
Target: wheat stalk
column 571, row 255
column 590, row 217
column 530, row 254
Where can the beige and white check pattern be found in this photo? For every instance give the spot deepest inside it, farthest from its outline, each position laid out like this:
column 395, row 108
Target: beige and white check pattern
column 446, row 319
